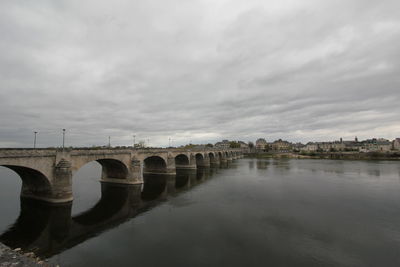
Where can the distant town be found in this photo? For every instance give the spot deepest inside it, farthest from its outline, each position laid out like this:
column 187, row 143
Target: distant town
column 261, row 145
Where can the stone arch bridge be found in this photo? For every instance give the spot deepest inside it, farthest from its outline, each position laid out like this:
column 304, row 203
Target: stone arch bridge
column 47, row 174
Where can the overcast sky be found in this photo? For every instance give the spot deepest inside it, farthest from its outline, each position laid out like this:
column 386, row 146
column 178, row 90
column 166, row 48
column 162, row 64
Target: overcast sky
column 198, row 70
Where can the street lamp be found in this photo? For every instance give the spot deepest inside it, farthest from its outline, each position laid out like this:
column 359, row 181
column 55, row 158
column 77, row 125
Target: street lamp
column 63, row 144
column 109, row 141
column 169, row 142
column 34, row 140
column 134, row 136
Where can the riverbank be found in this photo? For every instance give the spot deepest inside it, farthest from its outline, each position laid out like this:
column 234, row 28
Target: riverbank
column 15, row 258
column 328, row 155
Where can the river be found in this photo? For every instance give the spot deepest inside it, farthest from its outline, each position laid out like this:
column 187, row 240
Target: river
column 252, row 212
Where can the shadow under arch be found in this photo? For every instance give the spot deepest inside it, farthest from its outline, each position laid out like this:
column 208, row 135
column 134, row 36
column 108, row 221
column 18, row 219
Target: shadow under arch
column 212, row 158
column 199, row 159
column 113, row 169
column 154, row 164
column 181, row 161
column 34, row 183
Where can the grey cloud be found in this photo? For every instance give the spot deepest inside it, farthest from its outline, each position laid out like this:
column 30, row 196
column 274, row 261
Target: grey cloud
column 198, row 70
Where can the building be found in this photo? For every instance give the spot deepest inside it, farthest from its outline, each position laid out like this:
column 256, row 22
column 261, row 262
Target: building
column 298, row 146
column 352, row 145
column 376, row 145
column 243, row 144
column 261, row 144
column 223, row 144
column 325, row 146
column 310, row 146
column 281, row 146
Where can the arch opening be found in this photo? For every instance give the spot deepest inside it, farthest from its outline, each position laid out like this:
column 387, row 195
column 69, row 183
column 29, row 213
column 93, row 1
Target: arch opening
column 212, row 158
column 181, row 161
column 199, row 159
column 34, row 183
column 154, row 164
column 113, row 169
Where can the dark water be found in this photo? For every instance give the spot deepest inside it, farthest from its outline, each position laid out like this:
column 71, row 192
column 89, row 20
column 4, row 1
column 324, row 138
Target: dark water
column 252, row 213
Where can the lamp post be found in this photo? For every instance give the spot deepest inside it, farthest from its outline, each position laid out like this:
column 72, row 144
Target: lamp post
column 169, row 142
column 34, row 140
column 109, row 141
column 63, row 143
column 134, row 137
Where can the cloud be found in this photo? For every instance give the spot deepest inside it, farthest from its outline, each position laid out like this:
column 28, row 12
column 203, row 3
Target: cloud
column 198, row 71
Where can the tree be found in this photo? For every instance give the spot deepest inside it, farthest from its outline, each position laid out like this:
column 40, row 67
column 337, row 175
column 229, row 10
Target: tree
column 234, row 144
column 251, row 145
column 190, row 146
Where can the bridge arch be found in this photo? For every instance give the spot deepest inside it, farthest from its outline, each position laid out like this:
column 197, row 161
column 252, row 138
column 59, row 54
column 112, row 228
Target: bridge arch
column 113, row 169
column 199, row 159
column 154, row 164
column 182, row 161
column 212, row 157
column 221, row 156
column 34, row 183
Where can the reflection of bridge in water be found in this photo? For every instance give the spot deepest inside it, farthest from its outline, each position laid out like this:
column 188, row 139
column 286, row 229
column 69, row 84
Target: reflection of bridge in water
column 49, row 229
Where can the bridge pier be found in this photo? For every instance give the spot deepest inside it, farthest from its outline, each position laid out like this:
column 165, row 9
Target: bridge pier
column 62, row 183
column 214, row 160
column 205, row 162
column 54, row 188
column 171, row 168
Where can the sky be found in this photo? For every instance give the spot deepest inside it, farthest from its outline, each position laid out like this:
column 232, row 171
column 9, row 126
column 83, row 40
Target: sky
column 198, row 71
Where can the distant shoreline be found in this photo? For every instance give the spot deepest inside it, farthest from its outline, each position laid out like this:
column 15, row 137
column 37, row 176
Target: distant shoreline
column 328, row 155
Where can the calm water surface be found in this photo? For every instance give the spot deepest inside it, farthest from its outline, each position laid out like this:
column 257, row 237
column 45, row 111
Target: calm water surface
column 251, row 213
